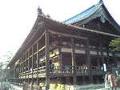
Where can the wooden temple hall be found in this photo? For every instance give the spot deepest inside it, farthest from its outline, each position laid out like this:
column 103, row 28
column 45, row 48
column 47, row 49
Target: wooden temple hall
column 74, row 52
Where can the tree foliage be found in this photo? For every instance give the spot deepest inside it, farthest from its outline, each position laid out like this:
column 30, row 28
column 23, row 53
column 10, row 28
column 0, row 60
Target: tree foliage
column 115, row 44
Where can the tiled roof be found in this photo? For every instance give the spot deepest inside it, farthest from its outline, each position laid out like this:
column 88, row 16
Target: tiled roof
column 98, row 10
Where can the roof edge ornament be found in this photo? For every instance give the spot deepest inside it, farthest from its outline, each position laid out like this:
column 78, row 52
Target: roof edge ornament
column 40, row 11
column 101, row 1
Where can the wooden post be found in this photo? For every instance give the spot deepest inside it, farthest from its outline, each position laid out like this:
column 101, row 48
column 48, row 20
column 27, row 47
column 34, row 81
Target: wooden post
column 73, row 63
column 60, row 54
column 98, row 55
column 98, row 63
column 37, row 65
column 61, row 62
column 14, row 74
column 108, row 57
column 101, row 52
column 25, row 69
column 19, row 73
column 47, row 58
column 32, row 68
column 114, row 57
column 28, row 66
column 89, row 61
column 22, row 71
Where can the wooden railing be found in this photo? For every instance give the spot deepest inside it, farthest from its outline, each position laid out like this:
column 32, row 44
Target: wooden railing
column 67, row 70
column 79, row 70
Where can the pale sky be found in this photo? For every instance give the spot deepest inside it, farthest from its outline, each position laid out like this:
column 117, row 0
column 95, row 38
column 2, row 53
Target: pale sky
column 17, row 18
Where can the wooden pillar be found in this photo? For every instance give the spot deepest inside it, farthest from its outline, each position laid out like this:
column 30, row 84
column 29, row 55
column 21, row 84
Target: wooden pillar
column 98, row 54
column 37, row 65
column 60, row 54
column 32, row 68
column 101, row 53
column 14, row 74
column 107, row 53
column 25, row 69
column 73, row 63
column 47, row 58
column 22, row 70
column 114, row 58
column 61, row 62
column 28, row 66
column 98, row 63
column 89, row 61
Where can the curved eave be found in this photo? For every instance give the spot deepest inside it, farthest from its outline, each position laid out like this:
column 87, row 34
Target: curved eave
column 111, row 19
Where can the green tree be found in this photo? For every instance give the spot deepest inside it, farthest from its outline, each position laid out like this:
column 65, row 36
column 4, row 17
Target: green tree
column 115, row 44
column 5, row 59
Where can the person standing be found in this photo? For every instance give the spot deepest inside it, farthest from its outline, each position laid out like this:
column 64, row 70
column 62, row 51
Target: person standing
column 112, row 79
column 107, row 84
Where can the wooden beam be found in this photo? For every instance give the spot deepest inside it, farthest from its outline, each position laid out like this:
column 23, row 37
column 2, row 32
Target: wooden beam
column 66, row 35
column 95, row 31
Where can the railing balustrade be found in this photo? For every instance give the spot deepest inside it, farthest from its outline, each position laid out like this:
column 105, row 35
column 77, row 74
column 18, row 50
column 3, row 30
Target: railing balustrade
column 68, row 70
column 80, row 70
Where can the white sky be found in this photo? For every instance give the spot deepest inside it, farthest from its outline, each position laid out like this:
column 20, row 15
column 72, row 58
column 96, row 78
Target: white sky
column 17, row 18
